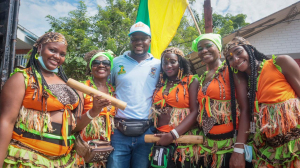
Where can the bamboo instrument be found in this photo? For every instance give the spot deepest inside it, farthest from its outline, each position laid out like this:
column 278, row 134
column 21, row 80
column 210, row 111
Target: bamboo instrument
column 189, row 139
column 91, row 91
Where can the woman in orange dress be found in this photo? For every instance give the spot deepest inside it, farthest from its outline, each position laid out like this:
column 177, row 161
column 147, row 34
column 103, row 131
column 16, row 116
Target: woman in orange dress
column 274, row 90
column 224, row 123
column 39, row 111
column 175, row 107
column 101, row 127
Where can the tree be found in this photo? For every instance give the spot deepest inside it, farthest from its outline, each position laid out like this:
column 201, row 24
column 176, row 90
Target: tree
column 76, row 27
column 224, row 25
column 112, row 23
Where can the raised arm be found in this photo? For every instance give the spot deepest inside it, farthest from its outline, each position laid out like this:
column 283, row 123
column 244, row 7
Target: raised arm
column 10, row 103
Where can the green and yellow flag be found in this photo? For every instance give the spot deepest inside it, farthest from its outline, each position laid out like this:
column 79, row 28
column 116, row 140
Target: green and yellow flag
column 163, row 17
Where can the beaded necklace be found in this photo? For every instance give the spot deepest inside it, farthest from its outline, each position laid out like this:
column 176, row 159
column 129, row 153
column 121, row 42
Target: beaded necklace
column 174, row 86
column 215, row 76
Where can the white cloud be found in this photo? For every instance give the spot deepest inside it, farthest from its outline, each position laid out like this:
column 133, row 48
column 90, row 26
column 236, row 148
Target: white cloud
column 254, row 9
column 32, row 14
column 102, row 3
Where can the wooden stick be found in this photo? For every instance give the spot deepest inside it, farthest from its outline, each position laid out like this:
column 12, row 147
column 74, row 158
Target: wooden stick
column 189, row 139
column 91, row 91
column 194, row 19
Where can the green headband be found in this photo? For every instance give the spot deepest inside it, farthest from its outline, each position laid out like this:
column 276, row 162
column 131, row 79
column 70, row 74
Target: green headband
column 107, row 54
column 215, row 38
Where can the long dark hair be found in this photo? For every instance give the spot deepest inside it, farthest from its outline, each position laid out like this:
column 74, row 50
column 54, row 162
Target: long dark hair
column 254, row 55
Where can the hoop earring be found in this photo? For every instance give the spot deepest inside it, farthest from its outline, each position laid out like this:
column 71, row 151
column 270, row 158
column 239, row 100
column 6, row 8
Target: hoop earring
column 161, row 80
column 180, row 73
column 36, row 56
column 234, row 70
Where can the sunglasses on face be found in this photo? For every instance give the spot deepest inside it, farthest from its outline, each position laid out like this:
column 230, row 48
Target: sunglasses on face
column 96, row 63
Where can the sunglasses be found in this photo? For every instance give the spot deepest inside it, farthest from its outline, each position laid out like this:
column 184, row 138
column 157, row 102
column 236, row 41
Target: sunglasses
column 96, row 63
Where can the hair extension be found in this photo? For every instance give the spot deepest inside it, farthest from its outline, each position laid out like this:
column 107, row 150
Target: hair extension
column 252, row 80
column 232, row 94
column 254, row 56
column 258, row 55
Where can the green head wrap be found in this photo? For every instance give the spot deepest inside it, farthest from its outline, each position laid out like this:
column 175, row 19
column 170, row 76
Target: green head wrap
column 215, row 38
column 108, row 54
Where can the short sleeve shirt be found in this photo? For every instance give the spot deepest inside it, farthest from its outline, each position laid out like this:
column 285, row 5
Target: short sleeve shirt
column 135, row 83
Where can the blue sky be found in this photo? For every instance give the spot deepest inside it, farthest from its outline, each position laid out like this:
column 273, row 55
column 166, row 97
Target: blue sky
column 33, row 12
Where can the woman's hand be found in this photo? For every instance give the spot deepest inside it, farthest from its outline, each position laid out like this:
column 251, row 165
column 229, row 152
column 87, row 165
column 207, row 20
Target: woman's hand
column 98, row 105
column 165, row 139
column 237, row 160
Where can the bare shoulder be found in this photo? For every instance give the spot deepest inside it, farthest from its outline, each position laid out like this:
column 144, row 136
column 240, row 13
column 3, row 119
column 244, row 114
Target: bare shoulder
column 17, row 80
column 287, row 63
column 195, row 83
column 283, row 59
column 12, row 95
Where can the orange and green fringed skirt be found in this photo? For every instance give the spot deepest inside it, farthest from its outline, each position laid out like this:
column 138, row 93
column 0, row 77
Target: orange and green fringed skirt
column 276, row 142
column 21, row 157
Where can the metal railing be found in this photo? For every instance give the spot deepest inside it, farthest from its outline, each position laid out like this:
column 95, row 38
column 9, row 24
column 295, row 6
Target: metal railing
column 20, row 60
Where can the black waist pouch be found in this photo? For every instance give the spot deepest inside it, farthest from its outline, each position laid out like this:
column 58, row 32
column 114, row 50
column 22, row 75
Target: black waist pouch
column 162, row 156
column 131, row 127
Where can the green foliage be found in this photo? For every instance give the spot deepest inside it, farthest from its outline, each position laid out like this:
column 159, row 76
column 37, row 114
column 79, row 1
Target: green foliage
column 75, row 68
column 224, row 25
column 111, row 25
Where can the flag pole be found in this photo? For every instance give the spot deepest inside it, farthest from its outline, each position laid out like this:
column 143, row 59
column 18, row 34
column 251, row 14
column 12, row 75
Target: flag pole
column 194, row 19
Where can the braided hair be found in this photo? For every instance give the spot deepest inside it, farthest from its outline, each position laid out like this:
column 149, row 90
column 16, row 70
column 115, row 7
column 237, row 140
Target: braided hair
column 36, row 69
column 184, row 67
column 254, row 55
column 232, row 94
